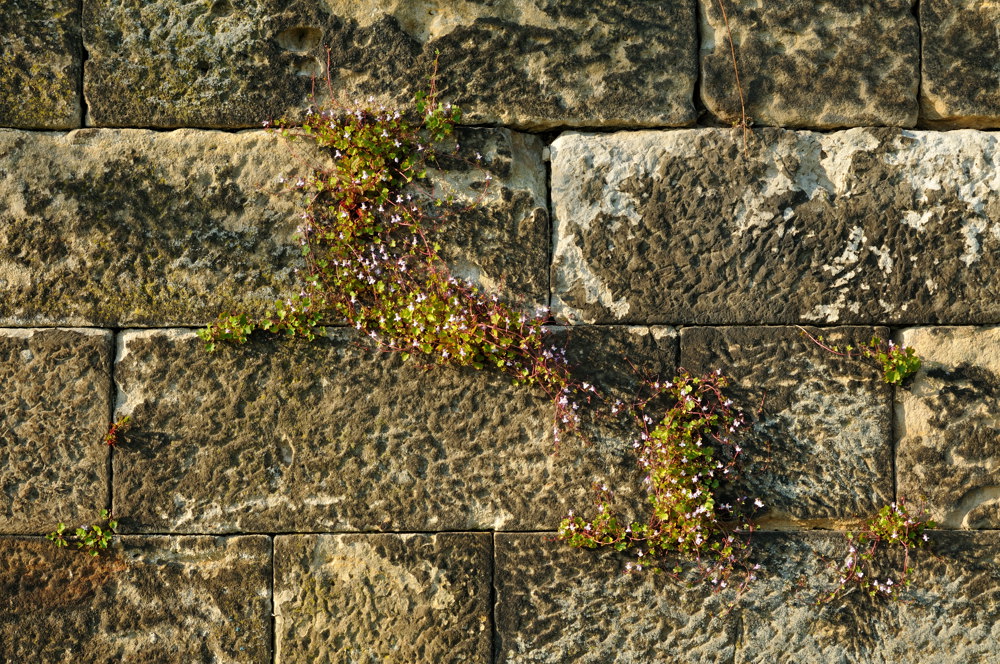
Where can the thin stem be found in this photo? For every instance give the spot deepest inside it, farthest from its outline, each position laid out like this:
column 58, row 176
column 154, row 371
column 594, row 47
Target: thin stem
column 744, row 120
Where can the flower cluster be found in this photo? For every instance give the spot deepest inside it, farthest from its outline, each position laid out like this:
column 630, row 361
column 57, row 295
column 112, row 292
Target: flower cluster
column 868, row 556
column 687, row 456
column 369, row 233
column 897, row 363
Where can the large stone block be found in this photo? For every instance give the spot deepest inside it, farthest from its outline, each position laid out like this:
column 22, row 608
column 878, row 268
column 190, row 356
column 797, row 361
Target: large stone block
column 135, row 227
column 285, row 436
column 523, row 63
column 948, row 615
column 948, row 429
column 558, row 604
column 420, row 599
column 960, row 63
column 822, row 64
column 820, row 448
column 55, row 404
column 865, row 226
column 40, row 64
column 145, row 599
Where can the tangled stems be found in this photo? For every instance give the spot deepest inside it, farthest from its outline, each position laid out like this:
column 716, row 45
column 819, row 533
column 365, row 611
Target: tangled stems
column 369, row 236
column 894, row 527
column 897, row 363
column 688, row 455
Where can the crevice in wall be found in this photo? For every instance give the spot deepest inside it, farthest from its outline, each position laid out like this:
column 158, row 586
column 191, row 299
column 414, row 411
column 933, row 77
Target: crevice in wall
column 893, row 443
column 700, row 110
column 547, row 140
column 84, row 56
column 113, row 393
column 494, row 634
column 739, row 637
column 274, row 621
column 915, row 10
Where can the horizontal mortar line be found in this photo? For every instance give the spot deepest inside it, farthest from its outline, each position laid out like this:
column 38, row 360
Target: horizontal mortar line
column 592, row 129
column 571, row 326
column 553, row 533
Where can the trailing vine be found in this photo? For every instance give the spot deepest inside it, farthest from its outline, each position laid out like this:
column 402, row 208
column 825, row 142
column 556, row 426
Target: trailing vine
column 370, row 234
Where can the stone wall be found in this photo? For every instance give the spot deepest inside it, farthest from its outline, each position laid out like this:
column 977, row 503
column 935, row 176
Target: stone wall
column 372, row 511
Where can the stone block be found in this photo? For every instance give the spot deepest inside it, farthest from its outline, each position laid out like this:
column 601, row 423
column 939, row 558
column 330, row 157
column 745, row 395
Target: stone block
column 820, row 64
column 820, row 448
column 55, row 405
column 960, row 64
column 40, row 64
column 558, row 604
column 135, row 227
column 948, row 430
column 864, row 226
column 289, row 436
column 421, row 599
column 522, row 63
column 145, row 599
column 948, row 614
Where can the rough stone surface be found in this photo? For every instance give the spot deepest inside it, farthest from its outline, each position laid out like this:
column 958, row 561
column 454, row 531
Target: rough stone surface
column 55, row 402
column 950, row 614
column 820, row 448
column 523, row 63
column 40, row 64
column 558, row 604
column 807, row 63
column 865, row 226
column 960, row 63
column 947, row 425
column 146, row 599
column 384, row 598
column 284, row 436
column 134, row 227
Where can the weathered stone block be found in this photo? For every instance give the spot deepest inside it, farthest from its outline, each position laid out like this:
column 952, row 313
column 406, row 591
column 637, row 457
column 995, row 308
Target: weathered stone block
column 134, row 227
column 284, row 436
column 948, row 430
column 865, row 226
column 146, row 599
column 820, row 448
column 393, row 598
column 558, row 604
column 960, row 63
column 55, row 403
column 822, row 64
column 523, row 63
column 950, row 614
column 40, row 64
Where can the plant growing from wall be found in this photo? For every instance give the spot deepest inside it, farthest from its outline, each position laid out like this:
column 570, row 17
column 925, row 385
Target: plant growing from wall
column 869, row 566
column 370, row 236
column 91, row 539
column 897, row 363
column 689, row 454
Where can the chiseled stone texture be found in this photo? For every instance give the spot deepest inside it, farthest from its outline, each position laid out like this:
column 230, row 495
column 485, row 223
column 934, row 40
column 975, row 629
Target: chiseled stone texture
column 40, row 64
column 558, row 604
column 522, row 63
column 135, row 227
column 820, row 447
column 948, row 426
column 960, row 63
column 292, row 436
column 812, row 63
column 55, row 402
column 864, row 226
column 420, row 599
column 145, row 599
column 950, row 613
